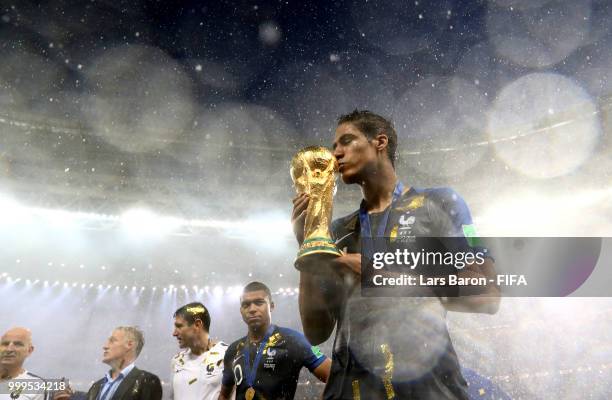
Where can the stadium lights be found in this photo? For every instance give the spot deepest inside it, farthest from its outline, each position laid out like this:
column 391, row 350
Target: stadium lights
column 218, row 290
column 142, row 222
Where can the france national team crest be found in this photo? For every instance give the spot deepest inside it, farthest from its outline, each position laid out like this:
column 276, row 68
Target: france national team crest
column 406, row 221
column 269, row 361
column 403, row 230
column 210, row 368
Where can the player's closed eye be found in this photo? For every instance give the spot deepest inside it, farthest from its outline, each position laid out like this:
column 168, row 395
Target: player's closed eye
column 346, row 140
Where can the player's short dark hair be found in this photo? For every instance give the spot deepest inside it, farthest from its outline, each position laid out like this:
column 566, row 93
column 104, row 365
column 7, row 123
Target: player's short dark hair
column 372, row 124
column 194, row 311
column 255, row 286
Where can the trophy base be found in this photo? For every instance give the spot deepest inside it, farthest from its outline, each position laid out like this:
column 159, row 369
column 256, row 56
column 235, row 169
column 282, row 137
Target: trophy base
column 314, row 252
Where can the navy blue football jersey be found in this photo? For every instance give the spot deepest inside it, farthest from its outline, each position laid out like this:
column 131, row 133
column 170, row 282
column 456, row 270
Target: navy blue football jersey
column 398, row 347
column 284, row 355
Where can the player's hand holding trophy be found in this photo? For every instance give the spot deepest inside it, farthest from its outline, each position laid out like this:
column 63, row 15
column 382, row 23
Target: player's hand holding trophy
column 313, row 171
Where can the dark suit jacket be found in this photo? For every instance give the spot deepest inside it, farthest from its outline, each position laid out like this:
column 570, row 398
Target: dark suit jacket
column 137, row 385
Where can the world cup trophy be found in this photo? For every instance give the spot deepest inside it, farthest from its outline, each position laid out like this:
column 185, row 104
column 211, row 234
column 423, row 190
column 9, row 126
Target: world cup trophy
column 313, row 172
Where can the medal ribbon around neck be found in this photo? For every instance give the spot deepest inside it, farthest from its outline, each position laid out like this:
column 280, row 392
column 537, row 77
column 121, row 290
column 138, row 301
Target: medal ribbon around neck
column 251, row 372
column 366, row 227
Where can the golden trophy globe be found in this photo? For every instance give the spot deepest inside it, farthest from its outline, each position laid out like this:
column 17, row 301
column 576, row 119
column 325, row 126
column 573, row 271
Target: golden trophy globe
column 313, row 171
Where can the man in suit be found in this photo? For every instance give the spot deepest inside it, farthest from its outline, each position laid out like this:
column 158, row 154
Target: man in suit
column 124, row 381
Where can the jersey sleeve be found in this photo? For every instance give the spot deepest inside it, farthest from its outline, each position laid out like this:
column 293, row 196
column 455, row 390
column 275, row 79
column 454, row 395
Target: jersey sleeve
column 455, row 227
column 228, row 372
column 310, row 356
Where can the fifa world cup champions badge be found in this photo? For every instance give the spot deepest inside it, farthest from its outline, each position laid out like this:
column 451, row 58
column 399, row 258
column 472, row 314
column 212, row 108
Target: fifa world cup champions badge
column 313, row 171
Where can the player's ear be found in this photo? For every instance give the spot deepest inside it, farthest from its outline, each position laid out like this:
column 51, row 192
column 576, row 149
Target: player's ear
column 271, row 305
column 382, row 141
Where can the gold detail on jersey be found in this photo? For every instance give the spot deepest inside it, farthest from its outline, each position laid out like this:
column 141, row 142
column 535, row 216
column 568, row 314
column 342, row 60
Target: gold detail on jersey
column 272, row 341
column 389, row 366
column 192, row 381
column 393, row 233
column 356, row 391
column 179, row 358
column 416, row 202
column 16, row 393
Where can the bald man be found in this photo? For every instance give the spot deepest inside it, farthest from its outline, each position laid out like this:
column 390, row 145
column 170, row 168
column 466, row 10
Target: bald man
column 15, row 347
